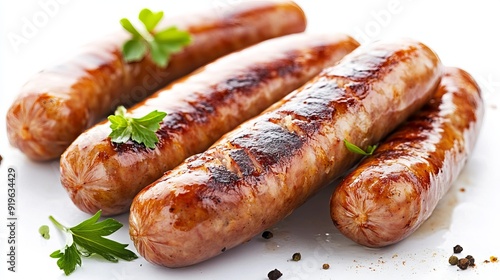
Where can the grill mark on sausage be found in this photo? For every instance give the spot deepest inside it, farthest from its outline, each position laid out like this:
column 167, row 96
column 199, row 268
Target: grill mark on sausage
column 243, row 162
column 358, row 75
column 221, row 177
column 315, row 104
column 318, row 104
column 374, row 65
column 268, row 143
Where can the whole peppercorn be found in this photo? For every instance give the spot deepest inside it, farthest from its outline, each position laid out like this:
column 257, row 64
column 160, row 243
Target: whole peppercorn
column 267, row 234
column 453, row 260
column 471, row 260
column 296, row 257
column 274, row 274
column 463, row 263
column 326, row 266
column 457, row 249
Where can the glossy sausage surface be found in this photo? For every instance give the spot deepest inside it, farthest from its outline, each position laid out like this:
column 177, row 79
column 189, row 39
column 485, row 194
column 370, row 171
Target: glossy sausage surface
column 391, row 193
column 59, row 103
column 99, row 174
column 260, row 172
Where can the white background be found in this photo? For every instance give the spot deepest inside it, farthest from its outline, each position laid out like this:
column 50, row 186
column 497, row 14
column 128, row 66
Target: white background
column 463, row 33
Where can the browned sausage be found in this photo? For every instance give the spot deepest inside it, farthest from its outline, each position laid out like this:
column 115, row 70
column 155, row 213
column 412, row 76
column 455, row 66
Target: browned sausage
column 99, row 174
column 394, row 191
column 59, row 103
column 260, row 172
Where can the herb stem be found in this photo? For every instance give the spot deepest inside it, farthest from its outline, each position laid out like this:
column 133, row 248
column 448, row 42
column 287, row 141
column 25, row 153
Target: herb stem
column 147, row 37
column 57, row 224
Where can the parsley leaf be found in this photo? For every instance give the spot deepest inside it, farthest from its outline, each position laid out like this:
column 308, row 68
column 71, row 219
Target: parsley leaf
column 130, row 28
column 134, row 50
column 150, row 19
column 86, row 239
column 355, row 149
column 67, row 259
column 161, row 44
column 141, row 130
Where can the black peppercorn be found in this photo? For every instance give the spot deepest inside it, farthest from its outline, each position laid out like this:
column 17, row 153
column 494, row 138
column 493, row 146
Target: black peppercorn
column 274, row 274
column 457, row 249
column 267, row 234
column 471, row 260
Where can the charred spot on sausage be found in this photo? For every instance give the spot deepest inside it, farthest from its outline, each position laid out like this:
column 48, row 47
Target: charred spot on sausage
column 314, row 106
column 221, row 177
column 243, row 161
column 268, row 143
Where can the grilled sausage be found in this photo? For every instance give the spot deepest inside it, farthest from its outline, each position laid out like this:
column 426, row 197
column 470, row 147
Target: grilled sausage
column 99, row 174
column 59, row 103
column 391, row 193
column 260, row 172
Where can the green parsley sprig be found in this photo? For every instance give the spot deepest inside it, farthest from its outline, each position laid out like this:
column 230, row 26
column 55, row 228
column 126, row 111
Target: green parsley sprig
column 355, row 149
column 141, row 130
column 86, row 239
column 161, row 44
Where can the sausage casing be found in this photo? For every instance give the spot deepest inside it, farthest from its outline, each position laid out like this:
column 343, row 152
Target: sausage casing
column 391, row 193
column 260, row 172
column 59, row 103
column 201, row 107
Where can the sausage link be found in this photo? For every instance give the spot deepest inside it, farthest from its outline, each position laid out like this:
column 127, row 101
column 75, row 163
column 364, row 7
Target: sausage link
column 99, row 174
column 391, row 193
column 59, row 103
column 260, row 172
